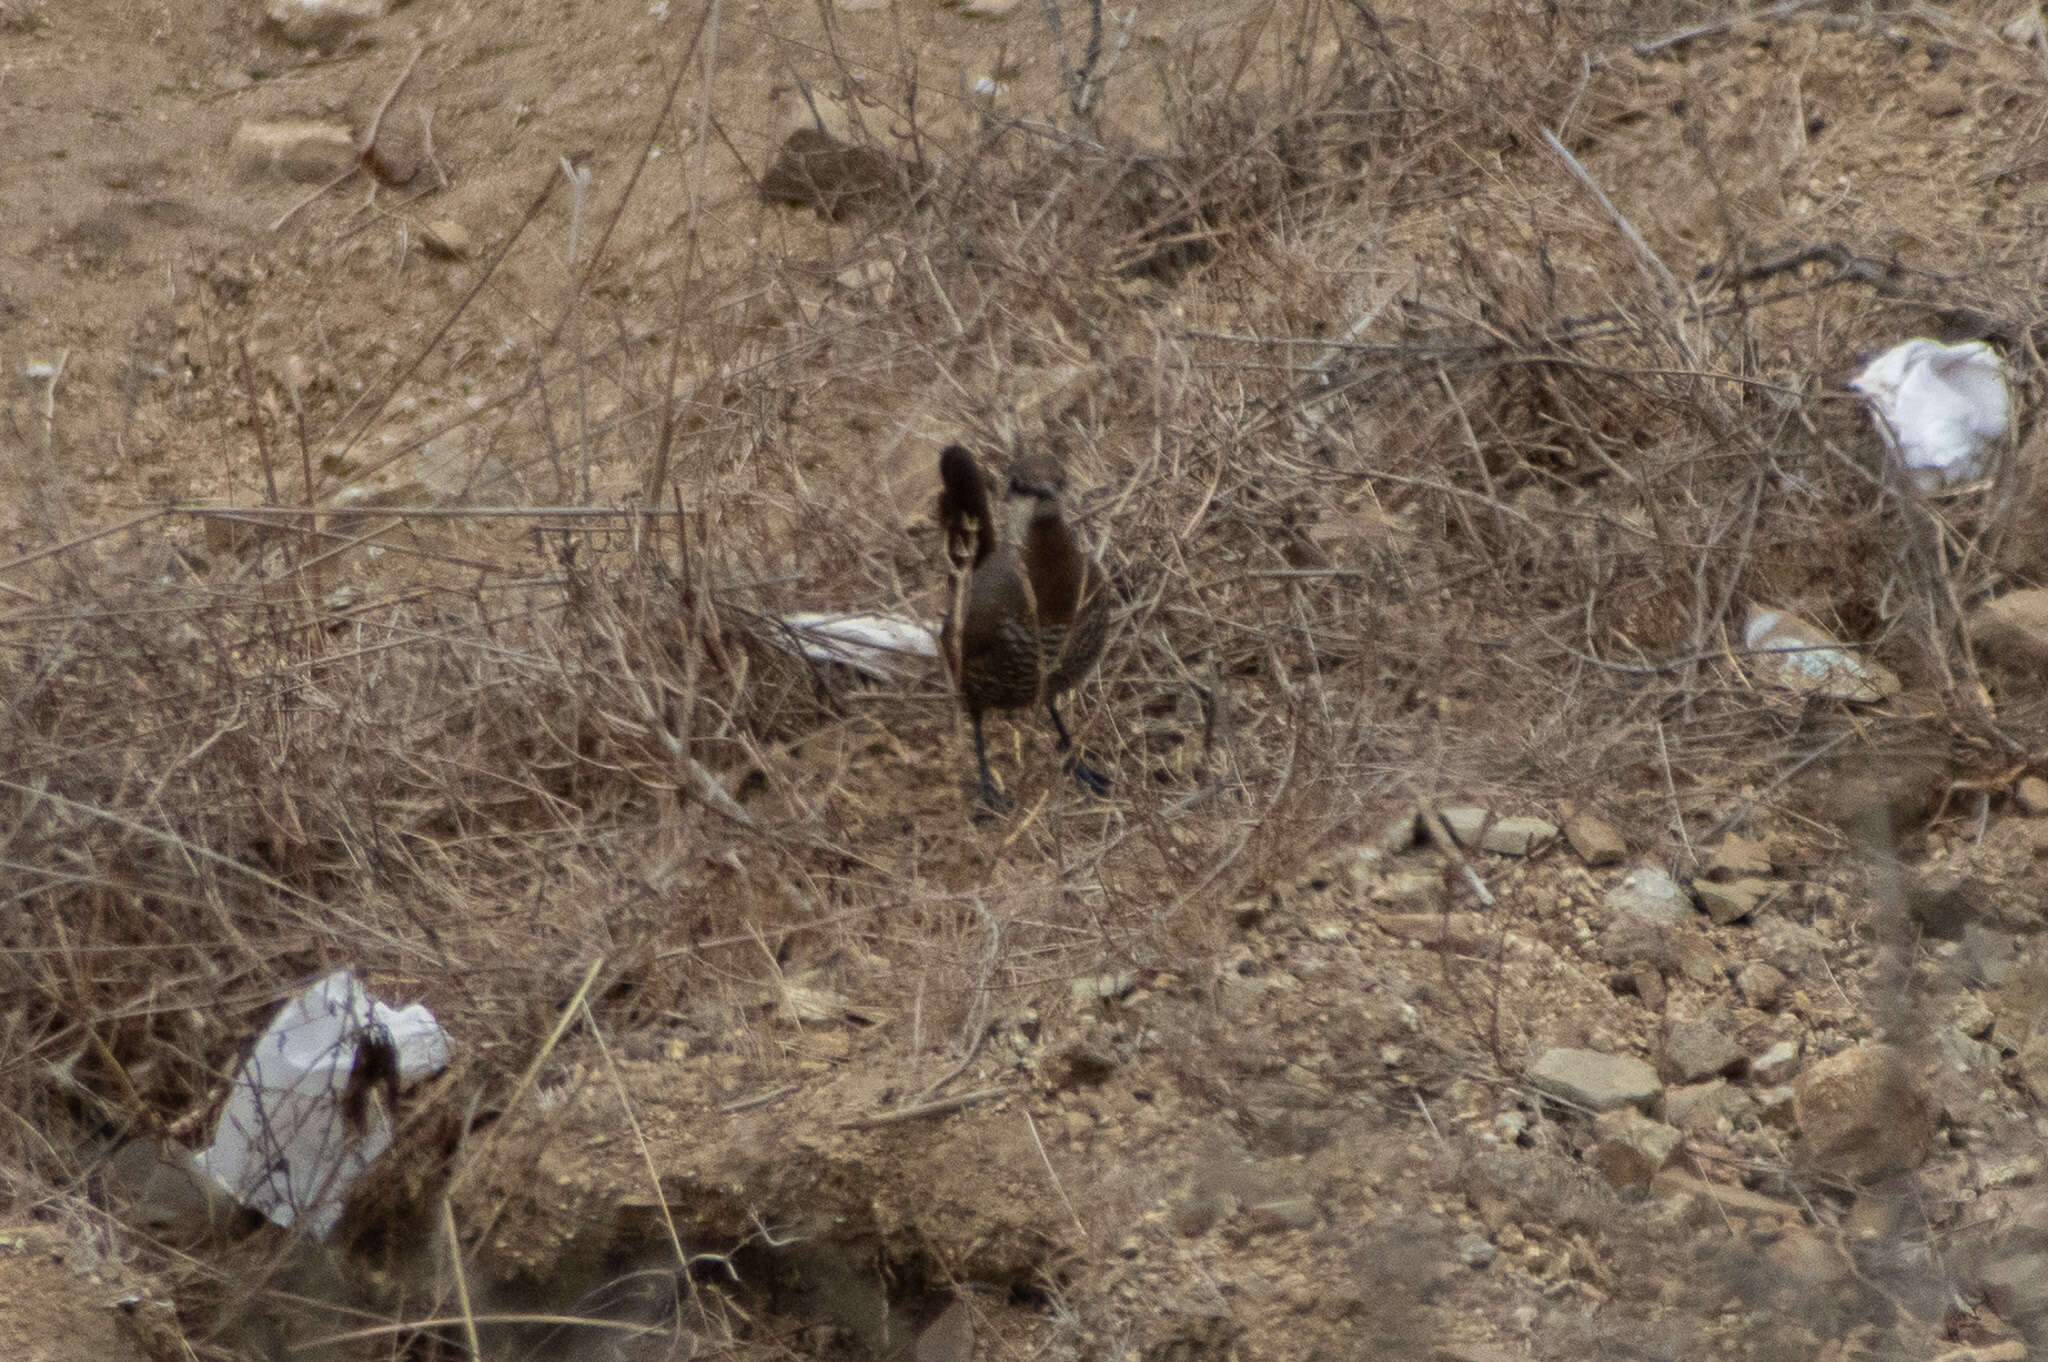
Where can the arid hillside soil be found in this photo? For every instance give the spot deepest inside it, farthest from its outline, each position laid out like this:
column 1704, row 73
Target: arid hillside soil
column 419, row 433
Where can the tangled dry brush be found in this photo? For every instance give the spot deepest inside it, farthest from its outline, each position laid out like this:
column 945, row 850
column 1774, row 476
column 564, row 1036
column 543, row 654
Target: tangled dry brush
column 1416, row 467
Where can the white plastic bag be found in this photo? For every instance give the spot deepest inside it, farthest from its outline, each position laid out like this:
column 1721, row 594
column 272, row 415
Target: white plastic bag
column 282, row 1145
column 1939, row 408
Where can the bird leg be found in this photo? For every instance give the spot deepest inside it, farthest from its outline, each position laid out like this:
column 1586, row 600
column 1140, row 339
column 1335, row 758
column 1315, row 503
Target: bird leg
column 992, row 799
column 1086, row 776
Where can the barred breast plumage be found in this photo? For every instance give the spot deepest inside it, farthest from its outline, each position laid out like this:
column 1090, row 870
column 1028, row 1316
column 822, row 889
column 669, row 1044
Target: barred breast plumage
column 1032, row 615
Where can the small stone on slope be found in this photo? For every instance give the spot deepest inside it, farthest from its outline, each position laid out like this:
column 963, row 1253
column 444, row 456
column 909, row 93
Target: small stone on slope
column 1865, row 1113
column 1595, row 1081
column 1647, row 892
column 1596, row 842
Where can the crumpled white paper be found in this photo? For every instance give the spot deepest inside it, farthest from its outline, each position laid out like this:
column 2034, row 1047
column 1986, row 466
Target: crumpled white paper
column 873, row 644
column 282, row 1146
column 1939, row 408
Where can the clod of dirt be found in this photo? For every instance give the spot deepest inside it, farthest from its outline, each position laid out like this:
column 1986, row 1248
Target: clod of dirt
column 837, row 180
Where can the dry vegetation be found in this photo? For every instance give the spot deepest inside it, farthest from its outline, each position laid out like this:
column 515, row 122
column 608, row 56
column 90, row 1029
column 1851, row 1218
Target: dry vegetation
column 1419, row 473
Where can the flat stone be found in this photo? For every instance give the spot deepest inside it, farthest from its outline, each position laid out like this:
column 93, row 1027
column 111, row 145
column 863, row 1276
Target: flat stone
column 1649, row 893
column 1737, row 857
column 303, row 151
column 1701, row 1108
column 1777, row 1064
column 1697, row 1048
column 1734, row 1200
column 1467, row 823
column 1463, row 932
column 324, row 24
column 1519, row 836
column 2031, row 794
column 1597, row 843
column 1864, row 1113
column 1730, row 901
column 2013, row 629
column 1630, row 1148
column 1595, row 1081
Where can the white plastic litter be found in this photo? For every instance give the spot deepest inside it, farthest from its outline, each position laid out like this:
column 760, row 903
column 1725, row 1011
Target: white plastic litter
column 874, row 645
column 1939, row 408
column 282, row 1146
column 1803, row 657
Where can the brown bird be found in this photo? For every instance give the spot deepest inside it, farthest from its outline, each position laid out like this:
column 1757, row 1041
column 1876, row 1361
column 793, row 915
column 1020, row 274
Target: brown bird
column 1029, row 611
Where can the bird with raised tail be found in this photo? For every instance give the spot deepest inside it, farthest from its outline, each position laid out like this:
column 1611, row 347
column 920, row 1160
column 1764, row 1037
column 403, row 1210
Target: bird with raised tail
column 1029, row 610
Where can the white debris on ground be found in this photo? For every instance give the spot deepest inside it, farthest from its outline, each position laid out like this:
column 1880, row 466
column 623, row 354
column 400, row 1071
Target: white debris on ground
column 875, row 645
column 1803, row 657
column 284, row 1145
column 1939, row 408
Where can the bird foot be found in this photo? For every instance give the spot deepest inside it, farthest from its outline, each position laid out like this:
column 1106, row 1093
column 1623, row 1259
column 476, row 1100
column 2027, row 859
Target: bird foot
column 1088, row 778
column 989, row 802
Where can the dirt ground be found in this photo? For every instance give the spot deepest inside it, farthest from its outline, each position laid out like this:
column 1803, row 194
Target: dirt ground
column 1105, row 1081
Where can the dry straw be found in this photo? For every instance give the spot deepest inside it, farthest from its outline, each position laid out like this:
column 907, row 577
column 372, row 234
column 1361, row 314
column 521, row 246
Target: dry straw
column 1408, row 471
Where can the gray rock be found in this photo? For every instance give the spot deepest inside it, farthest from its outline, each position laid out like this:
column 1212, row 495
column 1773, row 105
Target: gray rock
column 1595, row 1081
column 1777, row 1064
column 1518, row 836
column 1864, row 1114
column 1475, row 1250
column 1697, row 1048
column 1596, row 842
column 1649, row 893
